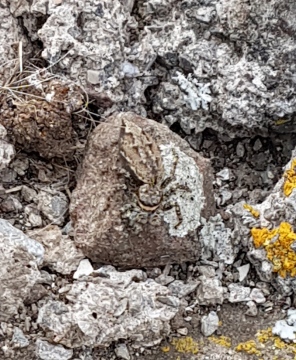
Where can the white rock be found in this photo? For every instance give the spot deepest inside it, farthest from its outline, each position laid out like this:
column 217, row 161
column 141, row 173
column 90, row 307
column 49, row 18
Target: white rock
column 114, row 305
column 84, row 269
column 47, row 351
column 7, row 153
column 209, row 323
column 243, row 271
column 252, row 311
column 258, row 296
column 19, row 338
column 122, row 352
column 238, row 293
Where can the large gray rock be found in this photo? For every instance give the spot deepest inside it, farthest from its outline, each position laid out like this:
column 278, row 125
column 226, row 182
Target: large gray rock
column 110, row 221
column 223, row 64
column 112, row 306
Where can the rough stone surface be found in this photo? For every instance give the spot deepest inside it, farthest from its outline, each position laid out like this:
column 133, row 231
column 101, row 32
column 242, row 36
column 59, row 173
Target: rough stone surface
column 238, row 293
column 209, row 323
column 39, row 117
column 47, row 351
column 60, row 255
column 114, row 305
column 20, row 257
column 223, row 71
column 7, row 153
column 111, row 227
column 210, row 291
column 53, row 204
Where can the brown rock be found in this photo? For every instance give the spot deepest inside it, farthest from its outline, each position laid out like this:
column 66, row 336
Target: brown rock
column 38, row 116
column 141, row 195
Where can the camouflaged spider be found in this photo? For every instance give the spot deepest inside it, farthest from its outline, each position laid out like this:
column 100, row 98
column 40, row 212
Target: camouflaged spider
column 143, row 160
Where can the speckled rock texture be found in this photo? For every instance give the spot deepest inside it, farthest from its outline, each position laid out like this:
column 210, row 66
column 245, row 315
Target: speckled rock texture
column 111, row 306
column 61, row 254
column 37, row 114
column 227, row 65
column 276, row 217
column 111, row 227
column 19, row 257
column 10, row 34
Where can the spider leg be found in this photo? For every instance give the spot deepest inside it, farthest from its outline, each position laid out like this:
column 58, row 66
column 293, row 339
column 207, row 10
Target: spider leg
column 175, row 205
column 173, row 189
column 173, row 170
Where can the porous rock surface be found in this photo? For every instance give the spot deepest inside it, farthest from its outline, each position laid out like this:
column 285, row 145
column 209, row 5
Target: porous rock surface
column 111, row 306
column 38, row 116
column 19, row 257
column 61, row 254
column 220, row 64
column 105, row 213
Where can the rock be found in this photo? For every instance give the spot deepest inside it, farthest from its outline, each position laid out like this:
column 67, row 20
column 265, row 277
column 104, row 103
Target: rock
column 48, row 131
column 84, row 269
column 7, row 153
column 243, row 271
column 209, row 323
column 286, row 329
column 224, row 174
column 207, row 271
column 257, row 145
column 19, row 338
column 182, row 331
column 252, row 311
column 123, row 231
column 210, row 291
column 164, row 280
column 240, row 150
column 53, row 204
column 122, row 352
column 180, row 289
column 257, row 296
column 28, row 193
column 112, row 306
column 8, row 20
column 217, row 240
column 238, row 293
column 47, row 351
column 33, row 216
column 19, row 258
column 61, row 255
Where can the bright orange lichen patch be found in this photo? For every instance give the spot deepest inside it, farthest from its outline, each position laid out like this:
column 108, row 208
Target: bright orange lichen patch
column 185, row 345
column 277, row 243
column 290, row 176
column 221, row 340
column 248, row 347
column 250, row 208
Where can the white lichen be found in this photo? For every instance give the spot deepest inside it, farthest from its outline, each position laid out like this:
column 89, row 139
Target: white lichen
column 185, row 191
column 196, row 94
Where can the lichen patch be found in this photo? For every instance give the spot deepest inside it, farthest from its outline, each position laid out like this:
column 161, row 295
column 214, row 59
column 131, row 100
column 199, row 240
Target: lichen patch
column 186, row 190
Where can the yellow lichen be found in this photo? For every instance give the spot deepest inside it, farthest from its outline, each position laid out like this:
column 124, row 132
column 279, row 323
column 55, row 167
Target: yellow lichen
column 250, row 208
column 277, row 243
column 264, row 335
column 165, row 349
column 290, row 176
column 248, row 347
column 221, row 340
column 185, row 345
